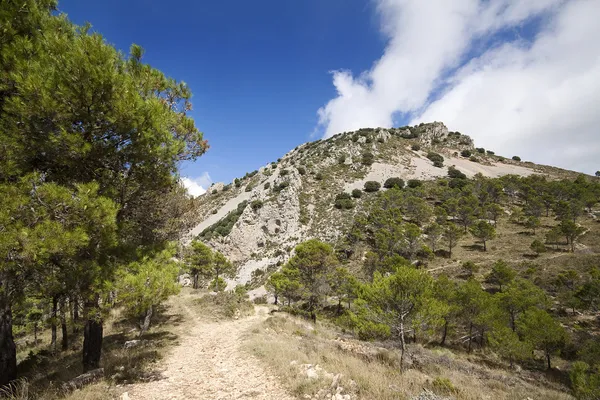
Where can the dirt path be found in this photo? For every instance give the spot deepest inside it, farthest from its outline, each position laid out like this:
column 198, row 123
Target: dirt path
column 208, row 364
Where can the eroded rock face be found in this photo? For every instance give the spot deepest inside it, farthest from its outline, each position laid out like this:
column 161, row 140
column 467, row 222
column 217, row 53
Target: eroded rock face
column 433, row 131
column 277, row 218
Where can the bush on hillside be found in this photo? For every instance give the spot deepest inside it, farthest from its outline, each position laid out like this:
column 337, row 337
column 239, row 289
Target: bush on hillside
column 414, row 183
column 416, row 147
column 372, row 186
column 357, row 193
column 343, row 201
column 455, row 173
column 516, row 158
column 466, row 153
column 436, row 158
column 367, row 158
column 393, row 182
column 301, row 170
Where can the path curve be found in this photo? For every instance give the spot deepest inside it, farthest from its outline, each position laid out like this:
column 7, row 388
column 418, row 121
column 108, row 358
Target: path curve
column 207, row 363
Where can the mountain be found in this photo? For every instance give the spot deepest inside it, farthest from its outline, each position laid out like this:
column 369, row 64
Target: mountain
column 257, row 219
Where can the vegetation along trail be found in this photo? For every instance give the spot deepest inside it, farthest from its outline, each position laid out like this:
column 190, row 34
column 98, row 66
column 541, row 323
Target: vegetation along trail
column 207, row 363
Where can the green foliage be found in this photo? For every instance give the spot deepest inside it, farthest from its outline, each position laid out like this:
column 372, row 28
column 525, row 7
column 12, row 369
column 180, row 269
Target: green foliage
column 538, row 247
column 480, row 150
column 357, row 193
column 585, row 381
column 455, row 173
column 483, row 231
column 372, row 186
column 217, row 285
column 225, row 225
column 466, row 153
column 437, row 159
column 342, row 159
column 516, row 158
column 267, row 185
column 256, row 204
column 284, row 172
column 414, row 183
column 310, row 266
column 393, row 182
column 343, row 201
column 415, row 147
column 542, row 332
column 490, row 153
column 443, row 386
column 470, row 268
column 301, row 170
column 501, row 274
column 144, row 284
column 281, row 186
column 367, row 158
column 319, row 176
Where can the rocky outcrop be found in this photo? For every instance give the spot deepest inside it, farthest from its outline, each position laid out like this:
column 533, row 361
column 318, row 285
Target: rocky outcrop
column 293, row 200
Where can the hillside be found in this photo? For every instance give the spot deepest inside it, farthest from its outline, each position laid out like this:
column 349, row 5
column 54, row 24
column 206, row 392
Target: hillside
column 257, row 219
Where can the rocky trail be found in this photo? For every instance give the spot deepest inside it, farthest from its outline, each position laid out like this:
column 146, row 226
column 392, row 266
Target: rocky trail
column 207, row 363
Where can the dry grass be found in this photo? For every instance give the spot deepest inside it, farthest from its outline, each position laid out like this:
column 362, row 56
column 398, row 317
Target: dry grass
column 285, row 343
column 43, row 372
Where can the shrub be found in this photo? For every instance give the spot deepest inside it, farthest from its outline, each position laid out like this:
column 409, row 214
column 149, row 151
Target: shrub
column 281, row 186
column 256, row 204
column 237, row 182
column 368, row 140
column 224, row 226
column 226, row 187
column 393, row 182
column 343, row 201
column 214, row 211
column 414, row 183
column 357, row 193
column 416, row 147
column 214, row 191
column 381, row 140
column 301, row 170
column 443, row 386
column 372, row 186
column 480, row 150
column 267, row 185
column 490, row 153
column 367, row 158
column 538, row 247
column 249, row 188
column 455, row 173
column 319, row 176
column 436, row 158
column 342, row 159
column 284, row 172
column 473, row 158
column 516, row 158
column 466, row 153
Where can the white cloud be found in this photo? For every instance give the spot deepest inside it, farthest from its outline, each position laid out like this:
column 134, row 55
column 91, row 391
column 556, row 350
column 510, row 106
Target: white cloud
column 538, row 98
column 197, row 186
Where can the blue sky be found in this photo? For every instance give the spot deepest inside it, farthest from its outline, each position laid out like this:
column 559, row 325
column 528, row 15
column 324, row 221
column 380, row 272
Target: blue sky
column 259, row 71
column 520, row 77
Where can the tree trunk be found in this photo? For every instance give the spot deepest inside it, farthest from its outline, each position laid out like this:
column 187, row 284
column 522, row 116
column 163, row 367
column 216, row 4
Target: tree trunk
column 92, row 343
column 339, row 306
column 548, row 360
column 63, row 325
column 53, row 321
column 445, row 334
column 195, row 281
column 470, row 335
column 8, row 350
column 146, row 323
column 402, row 343
column 75, row 315
column 35, row 329
column 484, row 246
column 275, row 302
